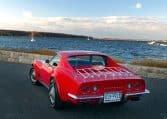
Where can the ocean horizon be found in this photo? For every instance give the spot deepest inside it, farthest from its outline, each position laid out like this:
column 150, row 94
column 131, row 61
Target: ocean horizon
column 126, row 50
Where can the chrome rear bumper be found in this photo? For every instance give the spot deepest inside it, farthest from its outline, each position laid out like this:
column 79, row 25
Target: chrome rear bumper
column 101, row 97
column 84, row 97
column 135, row 94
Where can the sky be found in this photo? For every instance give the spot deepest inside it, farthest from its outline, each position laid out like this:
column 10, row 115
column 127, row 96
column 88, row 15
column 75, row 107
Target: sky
column 134, row 19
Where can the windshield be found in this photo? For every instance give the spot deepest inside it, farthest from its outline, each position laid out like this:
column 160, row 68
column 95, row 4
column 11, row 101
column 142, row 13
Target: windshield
column 87, row 60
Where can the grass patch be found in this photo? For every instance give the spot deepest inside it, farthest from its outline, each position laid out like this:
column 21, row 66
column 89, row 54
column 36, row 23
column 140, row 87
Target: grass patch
column 43, row 52
column 151, row 63
column 40, row 52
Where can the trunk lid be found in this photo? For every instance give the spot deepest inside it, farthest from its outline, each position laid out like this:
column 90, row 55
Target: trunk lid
column 104, row 73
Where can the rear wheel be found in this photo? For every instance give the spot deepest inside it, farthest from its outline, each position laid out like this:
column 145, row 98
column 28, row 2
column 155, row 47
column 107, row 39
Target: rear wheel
column 54, row 96
column 32, row 76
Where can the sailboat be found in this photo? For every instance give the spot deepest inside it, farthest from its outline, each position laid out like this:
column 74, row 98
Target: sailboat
column 151, row 43
column 88, row 38
column 32, row 37
column 163, row 44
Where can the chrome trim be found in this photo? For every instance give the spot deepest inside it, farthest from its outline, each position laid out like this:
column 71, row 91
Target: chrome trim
column 101, row 97
column 141, row 93
column 84, row 97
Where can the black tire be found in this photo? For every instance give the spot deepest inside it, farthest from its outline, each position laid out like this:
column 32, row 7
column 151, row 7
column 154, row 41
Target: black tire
column 32, row 76
column 54, row 96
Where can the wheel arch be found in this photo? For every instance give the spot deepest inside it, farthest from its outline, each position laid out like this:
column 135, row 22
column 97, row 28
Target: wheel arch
column 61, row 89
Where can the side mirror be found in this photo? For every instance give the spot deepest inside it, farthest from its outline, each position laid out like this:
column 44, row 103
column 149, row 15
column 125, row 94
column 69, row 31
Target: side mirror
column 54, row 64
column 47, row 61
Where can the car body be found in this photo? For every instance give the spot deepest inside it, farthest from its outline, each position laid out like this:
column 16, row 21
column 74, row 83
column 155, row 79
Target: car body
column 86, row 77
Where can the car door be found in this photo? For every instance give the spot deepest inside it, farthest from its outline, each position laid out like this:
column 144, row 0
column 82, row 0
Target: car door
column 48, row 68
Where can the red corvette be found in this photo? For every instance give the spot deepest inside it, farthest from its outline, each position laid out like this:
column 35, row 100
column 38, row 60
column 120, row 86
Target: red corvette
column 86, row 77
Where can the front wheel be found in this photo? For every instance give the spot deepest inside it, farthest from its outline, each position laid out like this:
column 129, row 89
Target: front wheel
column 54, row 96
column 32, row 76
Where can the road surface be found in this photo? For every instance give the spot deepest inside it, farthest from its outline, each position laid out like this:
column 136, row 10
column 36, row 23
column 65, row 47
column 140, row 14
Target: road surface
column 19, row 99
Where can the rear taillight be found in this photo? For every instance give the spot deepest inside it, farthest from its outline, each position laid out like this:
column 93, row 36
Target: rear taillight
column 129, row 86
column 95, row 88
column 89, row 89
column 85, row 89
column 137, row 85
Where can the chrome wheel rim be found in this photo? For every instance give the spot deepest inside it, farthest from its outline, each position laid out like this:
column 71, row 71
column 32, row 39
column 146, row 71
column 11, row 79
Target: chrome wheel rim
column 52, row 94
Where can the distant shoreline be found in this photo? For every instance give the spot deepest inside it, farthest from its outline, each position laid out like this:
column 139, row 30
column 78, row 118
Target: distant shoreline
column 38, row 34
column 60, row 35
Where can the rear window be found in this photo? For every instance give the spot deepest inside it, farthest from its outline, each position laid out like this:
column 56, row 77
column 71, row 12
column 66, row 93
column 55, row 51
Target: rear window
column 87, row 60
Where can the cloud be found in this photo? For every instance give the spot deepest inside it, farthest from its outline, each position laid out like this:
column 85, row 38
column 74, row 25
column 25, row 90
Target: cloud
column 144, row 27
column 27, row 14
column 138, row 5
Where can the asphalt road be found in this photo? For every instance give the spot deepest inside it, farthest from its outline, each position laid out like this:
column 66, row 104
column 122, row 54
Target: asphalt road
column 19, row 99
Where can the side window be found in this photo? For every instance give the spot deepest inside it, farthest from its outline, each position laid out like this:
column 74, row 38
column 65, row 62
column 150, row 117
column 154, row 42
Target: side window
column 55, row 59
column 98, row 60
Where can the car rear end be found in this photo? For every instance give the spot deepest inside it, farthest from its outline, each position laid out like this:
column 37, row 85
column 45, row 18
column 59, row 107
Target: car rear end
column 102, row 80
column 107, row 86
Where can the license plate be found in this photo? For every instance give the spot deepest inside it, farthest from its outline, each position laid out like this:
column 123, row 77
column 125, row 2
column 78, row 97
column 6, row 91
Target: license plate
column 112, row 97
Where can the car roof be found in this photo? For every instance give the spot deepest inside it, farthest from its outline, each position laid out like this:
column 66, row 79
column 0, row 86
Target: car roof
column 79, row 52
